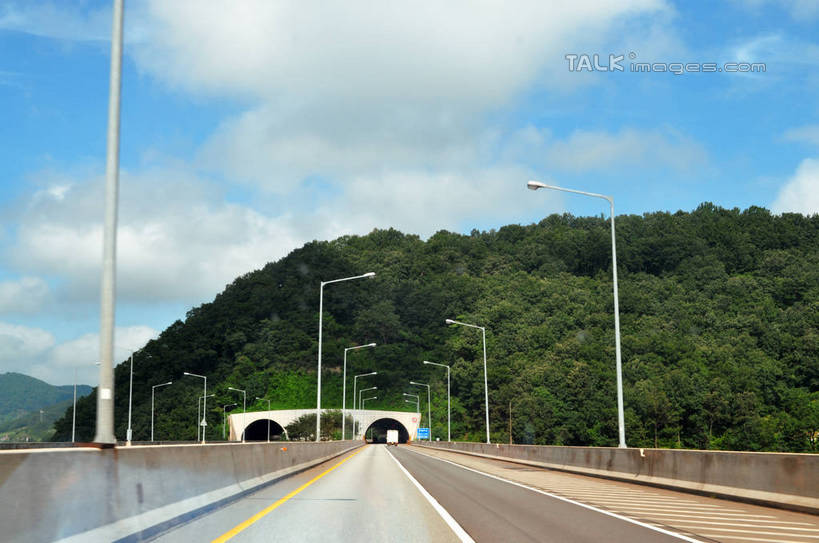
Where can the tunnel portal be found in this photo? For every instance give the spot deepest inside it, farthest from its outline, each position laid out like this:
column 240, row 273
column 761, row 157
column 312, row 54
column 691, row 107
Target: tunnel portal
column 257, row 430
column 377, row 431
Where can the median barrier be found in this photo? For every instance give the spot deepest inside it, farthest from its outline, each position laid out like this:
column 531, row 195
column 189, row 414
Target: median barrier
column 133, row 493
column 784, row 480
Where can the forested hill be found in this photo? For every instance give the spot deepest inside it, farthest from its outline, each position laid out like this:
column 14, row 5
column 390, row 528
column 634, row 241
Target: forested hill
column 719, row 314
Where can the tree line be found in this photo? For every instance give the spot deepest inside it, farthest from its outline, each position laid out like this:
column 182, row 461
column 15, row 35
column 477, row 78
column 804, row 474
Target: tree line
column 719, row 319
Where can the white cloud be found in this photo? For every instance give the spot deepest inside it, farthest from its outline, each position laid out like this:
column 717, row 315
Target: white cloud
column 25, row 295
column 596, row 150
column 34, row 352
column 177, row 238
column 801, row 193
column 804, row 134
column 346, row 90
column 21, row 344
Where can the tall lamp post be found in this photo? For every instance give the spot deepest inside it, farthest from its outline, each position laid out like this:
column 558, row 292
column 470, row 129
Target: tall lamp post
column 429, row 408
column 321, row 315
column 344, row 388
column 360, row 408
column 153, row 390
column 485, row 381
column 448, row 415
column 244, row 410
column 417, row 401
column 129, row 432
column 355, row 398
column 74, row 409
column 105, row 393
column 535, row 185
column 204, row 414
column 224, row 418
column 268, row 416
column 198, row 408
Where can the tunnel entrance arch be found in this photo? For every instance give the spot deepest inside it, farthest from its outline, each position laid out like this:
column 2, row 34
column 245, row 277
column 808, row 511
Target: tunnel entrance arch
column 376, row 432
column 257, row 430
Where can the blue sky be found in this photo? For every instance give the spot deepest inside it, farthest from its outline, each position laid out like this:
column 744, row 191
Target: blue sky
column 251, row 127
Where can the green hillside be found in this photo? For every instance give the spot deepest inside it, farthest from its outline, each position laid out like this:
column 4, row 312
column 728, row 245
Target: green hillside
column 21, row 394
column 719, row 314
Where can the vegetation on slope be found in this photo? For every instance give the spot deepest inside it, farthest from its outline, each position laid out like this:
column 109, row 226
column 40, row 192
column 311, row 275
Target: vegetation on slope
column 719, row 316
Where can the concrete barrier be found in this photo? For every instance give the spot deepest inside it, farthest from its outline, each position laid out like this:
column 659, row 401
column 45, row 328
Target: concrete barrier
column 131, row 493
column 784, row 480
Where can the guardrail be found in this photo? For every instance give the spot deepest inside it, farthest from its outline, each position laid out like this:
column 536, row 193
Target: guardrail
column 133, row 493
column 784, row 480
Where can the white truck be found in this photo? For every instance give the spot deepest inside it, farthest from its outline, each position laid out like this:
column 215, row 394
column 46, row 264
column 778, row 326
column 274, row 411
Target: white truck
column 392, row 437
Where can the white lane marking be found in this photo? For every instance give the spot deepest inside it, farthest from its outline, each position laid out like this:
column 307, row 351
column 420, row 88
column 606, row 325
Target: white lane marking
column 567, row 500
column 672, row 503
column 723, row 537
column 680, row 509
column 745, row 525
column 451, row 522
column 671, row 516
column 735, row 530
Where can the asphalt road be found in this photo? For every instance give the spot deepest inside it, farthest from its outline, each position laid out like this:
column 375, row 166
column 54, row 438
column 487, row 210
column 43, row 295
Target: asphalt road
column 367, row 498
column 493, row 510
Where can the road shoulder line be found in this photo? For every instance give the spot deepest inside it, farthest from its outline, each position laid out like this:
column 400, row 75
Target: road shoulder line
column 563, row 499
column 451, row 522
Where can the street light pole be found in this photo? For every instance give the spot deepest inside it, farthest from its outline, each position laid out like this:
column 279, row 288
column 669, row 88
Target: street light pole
column 417, row 401
column 355, row 403
column 105, row 393
column 268, row 416
column 344, row 388
column 321, row 318
column 129, row 432
column 204, row 423
column 429, row 408
column 485, row 380
column 535, row 185
column 360, row 408
column 244, row 411
column 224, row 418
column 74, row 410
column 198, row 408
column 153, row 390
column 448, row 416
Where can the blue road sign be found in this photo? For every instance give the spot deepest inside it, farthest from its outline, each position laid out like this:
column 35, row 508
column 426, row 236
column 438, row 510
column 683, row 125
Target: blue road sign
column 423, row 433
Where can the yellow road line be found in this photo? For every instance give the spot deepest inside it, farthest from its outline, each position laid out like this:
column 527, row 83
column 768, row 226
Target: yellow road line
column 258, row 516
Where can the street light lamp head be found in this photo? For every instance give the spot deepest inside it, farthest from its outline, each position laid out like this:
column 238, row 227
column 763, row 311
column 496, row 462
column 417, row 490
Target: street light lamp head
column 186, row 373
column 371, row 345
column 369, row 274
column 534, row 185
column 449, row 321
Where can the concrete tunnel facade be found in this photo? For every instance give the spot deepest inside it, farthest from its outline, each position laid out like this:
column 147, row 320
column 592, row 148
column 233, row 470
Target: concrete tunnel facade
column 256, row 421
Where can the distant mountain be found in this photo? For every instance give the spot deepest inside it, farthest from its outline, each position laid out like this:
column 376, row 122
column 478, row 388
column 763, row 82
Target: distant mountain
column 20, row 395
column 37, row 425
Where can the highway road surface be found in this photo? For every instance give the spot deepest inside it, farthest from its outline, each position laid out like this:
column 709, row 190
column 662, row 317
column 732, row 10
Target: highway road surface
column 412, row 494
column 366, row 497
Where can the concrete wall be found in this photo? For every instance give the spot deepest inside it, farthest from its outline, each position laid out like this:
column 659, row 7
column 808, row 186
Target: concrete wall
column 109, row 494
column 778, row 479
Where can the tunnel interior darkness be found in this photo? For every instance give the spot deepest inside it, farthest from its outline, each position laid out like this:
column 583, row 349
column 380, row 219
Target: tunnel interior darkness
column 257, row 430
column 377, row 431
